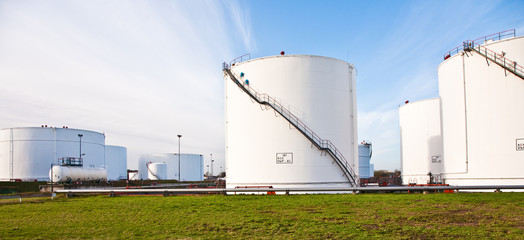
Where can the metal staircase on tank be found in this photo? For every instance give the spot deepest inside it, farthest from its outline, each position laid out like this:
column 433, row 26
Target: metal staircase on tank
column 499, row 59
column 151, row 171
column 322, row 144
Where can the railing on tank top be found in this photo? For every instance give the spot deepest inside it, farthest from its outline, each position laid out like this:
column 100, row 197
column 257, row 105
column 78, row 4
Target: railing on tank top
column 323, row 144
column 477, row 46
column 481, row 40
column 240, row 59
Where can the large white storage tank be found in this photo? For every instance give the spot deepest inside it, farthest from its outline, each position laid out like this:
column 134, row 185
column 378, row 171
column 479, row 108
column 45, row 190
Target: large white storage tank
column 420, row 142
column 264, row 149
column 27, row 153
column 191, row 165
column 483, row 116
column 116, row 162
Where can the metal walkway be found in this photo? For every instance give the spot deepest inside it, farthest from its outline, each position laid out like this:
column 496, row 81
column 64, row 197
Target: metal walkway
column 320, row 143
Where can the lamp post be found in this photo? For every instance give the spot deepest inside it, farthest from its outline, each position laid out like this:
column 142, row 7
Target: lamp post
column 179, row 136
column 212, row 165
column 80, row 154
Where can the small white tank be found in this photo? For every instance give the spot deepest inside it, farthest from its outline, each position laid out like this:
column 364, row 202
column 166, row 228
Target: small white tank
column 63, row 174
column 157, row 171
column 420, row 141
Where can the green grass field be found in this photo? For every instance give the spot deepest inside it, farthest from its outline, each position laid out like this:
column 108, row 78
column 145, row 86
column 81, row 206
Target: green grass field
column 362, row 216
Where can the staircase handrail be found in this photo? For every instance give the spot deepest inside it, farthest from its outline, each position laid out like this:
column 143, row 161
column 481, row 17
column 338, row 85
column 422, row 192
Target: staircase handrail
column 499, row 59
column 323, row 144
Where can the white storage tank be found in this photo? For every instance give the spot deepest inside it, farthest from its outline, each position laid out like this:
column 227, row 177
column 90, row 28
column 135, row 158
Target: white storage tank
column 157, row 171
column 134, row 175
column 483, row 116
column 420, row 142
column 265, row 149
column 116, row 162
column 27, row 153
column 68, row 174
column 366, row 169
column 191, row 166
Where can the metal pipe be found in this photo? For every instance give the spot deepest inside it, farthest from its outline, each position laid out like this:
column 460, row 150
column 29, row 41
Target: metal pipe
column 352, row 189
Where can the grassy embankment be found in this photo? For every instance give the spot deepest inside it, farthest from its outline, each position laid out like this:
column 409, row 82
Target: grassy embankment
column 383, row 216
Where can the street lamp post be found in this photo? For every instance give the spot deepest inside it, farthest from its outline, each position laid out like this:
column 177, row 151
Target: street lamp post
column 179, row 136
column 212, row 164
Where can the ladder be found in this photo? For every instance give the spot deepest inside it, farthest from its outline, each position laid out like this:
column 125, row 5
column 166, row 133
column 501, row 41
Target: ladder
column 322, row 144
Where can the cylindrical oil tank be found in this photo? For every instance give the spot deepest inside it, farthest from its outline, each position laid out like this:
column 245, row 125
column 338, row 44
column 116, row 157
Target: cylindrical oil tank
column 67, row 174
column 116, row 162
column 27, row 153
column 157, row 171
column 134, row 176
column 263, row 148
column 483, row 116
column 420, row 142
column 191, row 165
column 364, row 160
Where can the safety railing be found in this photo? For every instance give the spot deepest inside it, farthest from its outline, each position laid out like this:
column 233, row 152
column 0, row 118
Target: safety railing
column 240, row 59
column 71, row 161
column 482, row 40
column 322, row 144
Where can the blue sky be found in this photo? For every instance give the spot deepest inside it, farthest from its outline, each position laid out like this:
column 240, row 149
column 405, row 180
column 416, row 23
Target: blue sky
column 145, row 71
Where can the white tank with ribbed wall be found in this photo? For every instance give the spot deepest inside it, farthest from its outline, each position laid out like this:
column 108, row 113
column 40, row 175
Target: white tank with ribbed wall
column 27, row 153
column 483, row 116
column 421, row 141
column 264, row 149
column 116, row 162
column 191, row 166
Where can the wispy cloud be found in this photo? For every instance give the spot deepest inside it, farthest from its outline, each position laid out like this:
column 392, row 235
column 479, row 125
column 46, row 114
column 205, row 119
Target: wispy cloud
column 142, row 72
column 239, row 13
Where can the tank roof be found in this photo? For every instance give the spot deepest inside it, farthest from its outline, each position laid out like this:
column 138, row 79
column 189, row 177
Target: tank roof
column 293, row 55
